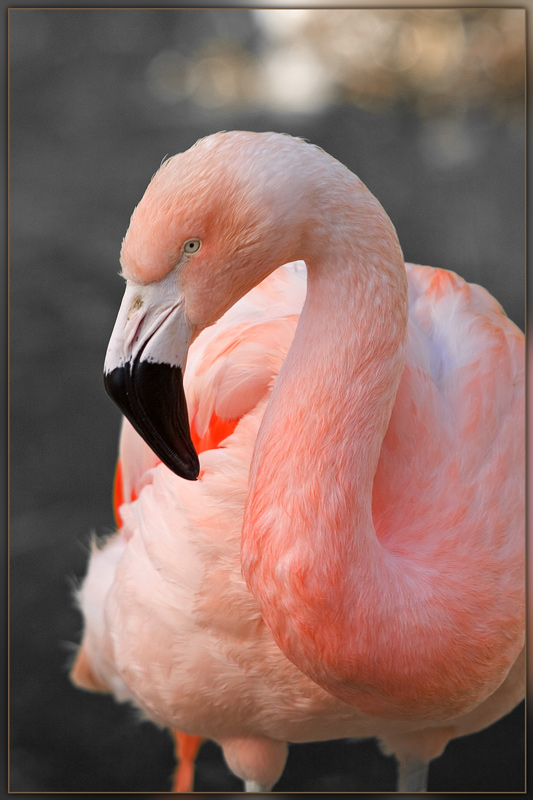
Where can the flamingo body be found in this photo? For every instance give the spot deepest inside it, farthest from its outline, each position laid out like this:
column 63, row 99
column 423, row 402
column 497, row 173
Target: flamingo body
column 350, row 561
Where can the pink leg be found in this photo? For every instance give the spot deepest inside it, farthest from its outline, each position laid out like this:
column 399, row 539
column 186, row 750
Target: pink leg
column 187, row 746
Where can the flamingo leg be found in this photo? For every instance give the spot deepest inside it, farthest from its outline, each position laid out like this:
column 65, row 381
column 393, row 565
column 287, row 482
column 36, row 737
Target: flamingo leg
column 412, row 775
column 186, row 748
column 253, row 786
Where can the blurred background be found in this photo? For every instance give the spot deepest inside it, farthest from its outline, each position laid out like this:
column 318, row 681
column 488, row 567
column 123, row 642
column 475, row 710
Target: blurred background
column 426, row 106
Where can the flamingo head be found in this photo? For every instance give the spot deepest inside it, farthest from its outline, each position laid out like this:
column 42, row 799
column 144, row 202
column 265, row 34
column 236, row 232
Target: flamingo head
column 214, row 222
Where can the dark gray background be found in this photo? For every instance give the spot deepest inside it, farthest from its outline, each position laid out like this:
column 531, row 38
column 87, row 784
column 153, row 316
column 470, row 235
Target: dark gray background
column 88, row 128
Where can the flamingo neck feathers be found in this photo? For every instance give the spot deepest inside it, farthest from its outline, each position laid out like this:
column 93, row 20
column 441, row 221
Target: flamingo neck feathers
column 309, row 549
column 351, row 615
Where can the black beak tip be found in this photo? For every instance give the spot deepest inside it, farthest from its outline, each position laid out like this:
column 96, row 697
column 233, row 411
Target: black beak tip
column 189, row 471
column 151, row 397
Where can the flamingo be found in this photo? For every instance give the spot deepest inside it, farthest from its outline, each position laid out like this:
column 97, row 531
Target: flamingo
column 351, row 560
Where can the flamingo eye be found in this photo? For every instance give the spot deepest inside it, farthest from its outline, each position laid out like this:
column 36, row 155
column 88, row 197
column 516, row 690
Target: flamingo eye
column 192, row 246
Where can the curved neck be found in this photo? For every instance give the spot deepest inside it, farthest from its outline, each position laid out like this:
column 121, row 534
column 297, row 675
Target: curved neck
column 309, row 551
column 356, row 618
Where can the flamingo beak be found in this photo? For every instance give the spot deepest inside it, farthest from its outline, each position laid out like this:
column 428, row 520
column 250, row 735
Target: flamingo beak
column 143, row 372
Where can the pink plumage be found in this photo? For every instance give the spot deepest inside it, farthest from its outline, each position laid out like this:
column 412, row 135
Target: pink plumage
column 361, row 433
